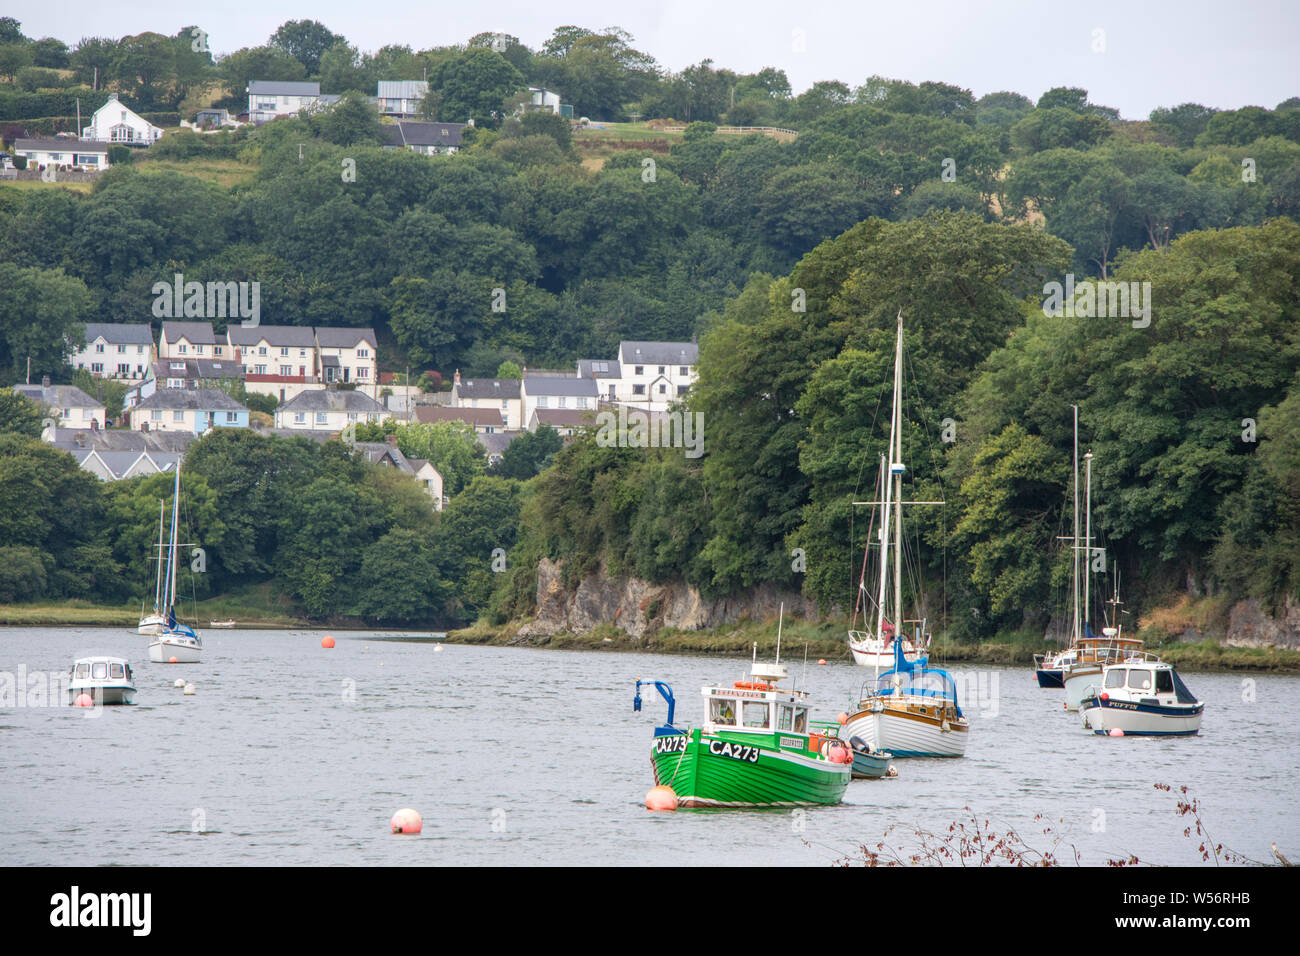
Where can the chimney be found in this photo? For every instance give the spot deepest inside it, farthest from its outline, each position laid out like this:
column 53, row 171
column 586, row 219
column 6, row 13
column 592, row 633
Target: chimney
column 456, row 378
column 391, row 439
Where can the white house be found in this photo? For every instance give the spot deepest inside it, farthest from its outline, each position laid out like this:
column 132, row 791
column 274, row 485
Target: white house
column 328, row 410
column 384, row 453
column 62, row 151
column 116, row 123
column 187, row 340
column 647, row 375
column 120, row 350
column 556, row 390
column 499, row 393
column 400, row 97
column 268, row 99
column 348, row 355
column 71, row 406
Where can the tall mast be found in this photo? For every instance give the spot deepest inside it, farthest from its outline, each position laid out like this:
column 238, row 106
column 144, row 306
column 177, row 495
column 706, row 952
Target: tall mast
column 1087, row 537
column 884, row 541
column 171, row 554
column 157, row 588
column 1074, row 581
column 895, row 467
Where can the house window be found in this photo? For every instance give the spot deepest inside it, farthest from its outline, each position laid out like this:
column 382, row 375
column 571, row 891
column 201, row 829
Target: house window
column 320, row 418
column 96, row 368
column 681, row 389
column 661, row 369
column 182, row 349
column 121, row 349
column 352, row 416
column 218, row 351
column 302, row 370
column 284, row 352
column 261, row 350
column 363, row 372
column 155, row 416
column 259, row 369
column 286, row 369
column 230, row 418
column 640, row 370
column 363, row 353
column 582, row 403
column 123, row 369
column 302, row 353
column 139, row 350
column 99, row 347
column 178, row 416
column 541, row 401
column 683, row 370
column 662, row 389
column 562, row 402
column 300, row 418
column 638, row 389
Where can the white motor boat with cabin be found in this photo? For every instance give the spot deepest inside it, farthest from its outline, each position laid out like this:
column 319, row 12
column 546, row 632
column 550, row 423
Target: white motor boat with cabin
column 106, row 680
column 175, row 643
column 1142, row 696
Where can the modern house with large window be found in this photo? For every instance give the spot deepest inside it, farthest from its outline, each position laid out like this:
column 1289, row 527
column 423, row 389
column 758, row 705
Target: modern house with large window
column 400, row 98
column 115, row 122
column 62, row 151
column 268, row 99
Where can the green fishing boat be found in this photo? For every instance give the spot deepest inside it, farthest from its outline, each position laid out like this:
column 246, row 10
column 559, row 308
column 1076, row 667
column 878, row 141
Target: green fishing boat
column 754, row 749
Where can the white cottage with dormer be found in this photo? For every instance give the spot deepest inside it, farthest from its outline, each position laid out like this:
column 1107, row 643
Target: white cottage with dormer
column 114, row 122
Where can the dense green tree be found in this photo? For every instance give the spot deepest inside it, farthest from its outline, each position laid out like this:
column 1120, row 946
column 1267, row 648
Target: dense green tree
column 306, row 41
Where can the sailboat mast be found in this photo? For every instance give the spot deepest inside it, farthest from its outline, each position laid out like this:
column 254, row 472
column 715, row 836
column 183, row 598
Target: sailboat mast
column 157, row 587
column 1074, row 581
column 884, row 539
column 171, row 554
column 895, row 458
column 1087, row 538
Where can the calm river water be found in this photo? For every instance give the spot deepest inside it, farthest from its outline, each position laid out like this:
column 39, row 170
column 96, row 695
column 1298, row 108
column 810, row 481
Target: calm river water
column 291, row 754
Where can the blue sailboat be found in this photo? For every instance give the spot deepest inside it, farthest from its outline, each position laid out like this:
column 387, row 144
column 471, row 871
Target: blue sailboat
column 175, row 643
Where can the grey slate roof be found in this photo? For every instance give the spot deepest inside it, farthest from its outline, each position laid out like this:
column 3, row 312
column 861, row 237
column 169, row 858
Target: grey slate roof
column 329, row 400
column 495, row 443
column 294, row 336
column 659, row 353
column 599, row 368
column 335, row 337
column 377, row 451
column 494, row 388
column 113, row 439
column 197, row 369
column 557, row 385
column 199, row 333
column 199, row 399
column 120, row 333
column 283, row 88
column 57, row 396
column 64, row 144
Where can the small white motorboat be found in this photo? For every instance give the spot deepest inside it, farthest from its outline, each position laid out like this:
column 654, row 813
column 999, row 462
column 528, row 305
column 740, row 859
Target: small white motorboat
column 221, row 624
column 1142, row 696
column 106, row 680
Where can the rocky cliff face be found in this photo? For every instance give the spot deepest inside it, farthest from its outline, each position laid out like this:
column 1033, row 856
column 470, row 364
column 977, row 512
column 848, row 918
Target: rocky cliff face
column 1250, row 626
column 639, row 608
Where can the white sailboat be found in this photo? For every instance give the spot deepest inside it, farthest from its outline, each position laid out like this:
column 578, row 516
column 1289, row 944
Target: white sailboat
column 910, row 710
column 153, row 622
column 175, row 643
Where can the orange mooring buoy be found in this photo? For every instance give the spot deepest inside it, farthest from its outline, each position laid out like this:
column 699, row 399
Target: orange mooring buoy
column 406, row 820
column 327, row 641
column 822, row 662
column 661, row 798
column 84, row 700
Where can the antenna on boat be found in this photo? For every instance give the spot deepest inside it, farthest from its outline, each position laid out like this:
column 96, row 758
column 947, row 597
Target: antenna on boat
column 780, row 618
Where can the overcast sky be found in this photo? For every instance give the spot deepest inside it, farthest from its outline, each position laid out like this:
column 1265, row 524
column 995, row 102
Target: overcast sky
column 1130, row 54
